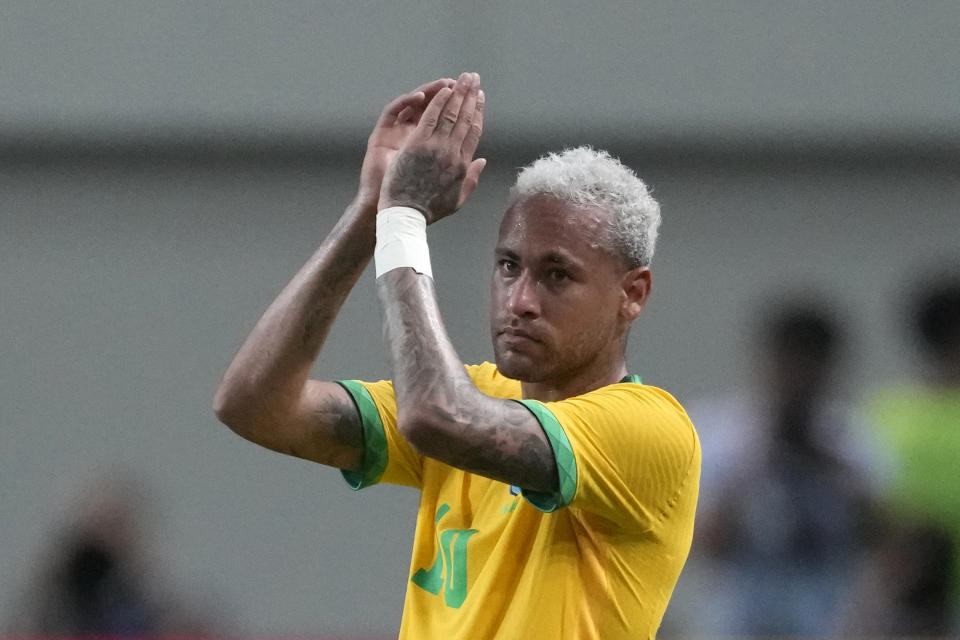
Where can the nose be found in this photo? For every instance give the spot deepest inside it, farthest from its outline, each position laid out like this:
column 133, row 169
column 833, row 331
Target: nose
column 523, row 297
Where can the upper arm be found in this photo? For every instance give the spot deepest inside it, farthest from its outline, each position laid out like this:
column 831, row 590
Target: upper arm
column 322, row 426
column 331, row 432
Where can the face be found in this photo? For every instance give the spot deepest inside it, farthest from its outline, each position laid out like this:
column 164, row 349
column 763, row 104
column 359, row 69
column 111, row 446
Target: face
column 561, row 300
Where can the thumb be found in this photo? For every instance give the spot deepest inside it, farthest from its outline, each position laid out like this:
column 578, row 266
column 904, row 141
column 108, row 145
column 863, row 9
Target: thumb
column 471, row 179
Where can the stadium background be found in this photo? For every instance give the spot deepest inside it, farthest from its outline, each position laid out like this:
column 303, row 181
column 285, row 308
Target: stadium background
column 165, row 167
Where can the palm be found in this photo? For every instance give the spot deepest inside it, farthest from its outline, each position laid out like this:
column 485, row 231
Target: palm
column 382, row 147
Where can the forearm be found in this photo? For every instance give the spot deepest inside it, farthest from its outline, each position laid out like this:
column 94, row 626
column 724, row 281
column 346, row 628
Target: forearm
column 440, row 411
column 428, row 377
column 268, row 374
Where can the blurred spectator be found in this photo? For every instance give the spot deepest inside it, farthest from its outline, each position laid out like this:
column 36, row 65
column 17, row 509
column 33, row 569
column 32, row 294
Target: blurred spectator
column 95, row 581
column 910, row 585
column 789, row 475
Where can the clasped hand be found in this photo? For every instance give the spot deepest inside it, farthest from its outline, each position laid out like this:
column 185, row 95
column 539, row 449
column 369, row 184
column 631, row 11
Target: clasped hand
column 434, row 171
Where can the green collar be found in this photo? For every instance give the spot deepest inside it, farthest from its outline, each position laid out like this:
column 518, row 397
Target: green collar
column 630, row 377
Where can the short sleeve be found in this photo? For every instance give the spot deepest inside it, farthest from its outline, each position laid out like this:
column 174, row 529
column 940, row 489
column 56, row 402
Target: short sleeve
column 387, row 456
column 626, row 452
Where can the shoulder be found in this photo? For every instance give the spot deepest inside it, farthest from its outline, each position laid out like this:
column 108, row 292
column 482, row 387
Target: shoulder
column 634, row 452
column 632, row 400
column 630, row 411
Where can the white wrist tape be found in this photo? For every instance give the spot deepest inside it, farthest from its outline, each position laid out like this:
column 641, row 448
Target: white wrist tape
column 401, row 241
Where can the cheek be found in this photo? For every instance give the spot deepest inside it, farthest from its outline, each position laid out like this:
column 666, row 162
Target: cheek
column 591, row 320
column 495, row 298
column 494, row 288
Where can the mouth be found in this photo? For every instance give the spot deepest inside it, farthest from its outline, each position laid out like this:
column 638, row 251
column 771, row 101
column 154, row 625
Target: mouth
column 517, row 335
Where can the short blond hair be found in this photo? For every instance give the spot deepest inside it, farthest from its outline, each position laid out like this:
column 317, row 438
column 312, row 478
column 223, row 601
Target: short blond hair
column 593, row 178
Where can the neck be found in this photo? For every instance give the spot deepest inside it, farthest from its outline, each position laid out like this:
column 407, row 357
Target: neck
column 577, row 384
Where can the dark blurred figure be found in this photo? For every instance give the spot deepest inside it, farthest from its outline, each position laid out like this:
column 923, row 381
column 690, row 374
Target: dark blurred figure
column 97, row 581
column 910, row 585
column 789, row 476
column 93, row 592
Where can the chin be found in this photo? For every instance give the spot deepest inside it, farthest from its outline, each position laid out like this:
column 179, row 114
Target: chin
column 519, row 367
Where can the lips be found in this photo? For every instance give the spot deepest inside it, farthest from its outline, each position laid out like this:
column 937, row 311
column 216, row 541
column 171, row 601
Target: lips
column 516, row 334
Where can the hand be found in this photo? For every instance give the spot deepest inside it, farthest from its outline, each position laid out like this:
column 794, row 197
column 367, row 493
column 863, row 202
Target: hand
column 396, row 122
column 434, row 171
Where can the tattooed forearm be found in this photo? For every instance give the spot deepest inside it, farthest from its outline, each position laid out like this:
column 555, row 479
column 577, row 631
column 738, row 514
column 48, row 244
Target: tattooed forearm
column 266, row 395
column 426, row 179
column 330, row 293
column 504, row 449
column 441, row 412
column 317, row 326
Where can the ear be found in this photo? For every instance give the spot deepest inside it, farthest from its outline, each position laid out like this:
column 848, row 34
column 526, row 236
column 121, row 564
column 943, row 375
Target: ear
column 636, row 285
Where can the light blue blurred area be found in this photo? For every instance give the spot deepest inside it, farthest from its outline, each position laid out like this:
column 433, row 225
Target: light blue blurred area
column 165, row 168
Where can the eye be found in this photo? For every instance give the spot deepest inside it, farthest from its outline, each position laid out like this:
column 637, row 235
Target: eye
column 557, row 275
column 507, row 266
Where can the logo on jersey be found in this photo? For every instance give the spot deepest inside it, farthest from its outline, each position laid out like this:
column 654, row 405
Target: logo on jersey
column 449, row 569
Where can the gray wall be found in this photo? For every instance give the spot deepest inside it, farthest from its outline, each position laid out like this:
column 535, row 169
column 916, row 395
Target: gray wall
column 664, row 68
column 166, row 167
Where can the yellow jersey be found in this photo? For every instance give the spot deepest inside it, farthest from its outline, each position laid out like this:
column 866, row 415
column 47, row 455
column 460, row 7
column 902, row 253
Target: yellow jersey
column 597, row 559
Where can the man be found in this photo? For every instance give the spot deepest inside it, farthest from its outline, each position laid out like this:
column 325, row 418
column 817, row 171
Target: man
column 790, row 477
column 557, row 492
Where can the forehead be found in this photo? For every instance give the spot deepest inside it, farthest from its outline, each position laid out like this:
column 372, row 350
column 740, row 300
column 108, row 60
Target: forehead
column 539, row 223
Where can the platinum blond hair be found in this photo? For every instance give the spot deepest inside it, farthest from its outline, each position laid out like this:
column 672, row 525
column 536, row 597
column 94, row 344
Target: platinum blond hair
column 593, row 178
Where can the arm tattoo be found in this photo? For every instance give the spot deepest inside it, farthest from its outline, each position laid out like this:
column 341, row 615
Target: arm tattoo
column 341, row 433
column 318, row 325
column 496, row 438
column 333, row 294
column 503, row 448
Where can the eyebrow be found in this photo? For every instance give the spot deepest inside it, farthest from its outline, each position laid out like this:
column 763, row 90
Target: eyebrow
column 558, row 258
column 552, row 257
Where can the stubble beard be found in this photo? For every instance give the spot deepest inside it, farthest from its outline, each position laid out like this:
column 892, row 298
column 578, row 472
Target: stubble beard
column 513, row 365
column 523, row 371
column 579, row 356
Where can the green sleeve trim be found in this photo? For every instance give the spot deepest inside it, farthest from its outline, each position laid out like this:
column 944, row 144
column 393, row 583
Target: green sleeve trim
column 374, row 438
column 562, row 453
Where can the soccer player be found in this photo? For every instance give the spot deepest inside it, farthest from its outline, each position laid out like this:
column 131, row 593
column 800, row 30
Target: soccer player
column 557, row 491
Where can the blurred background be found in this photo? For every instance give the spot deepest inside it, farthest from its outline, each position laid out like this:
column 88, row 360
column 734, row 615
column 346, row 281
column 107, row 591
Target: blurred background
column 165, row 168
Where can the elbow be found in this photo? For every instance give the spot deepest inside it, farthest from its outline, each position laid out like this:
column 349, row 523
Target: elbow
column 234, row 410
column 223, row 407
column 422, row 430
column 434, row 426
column 226, row 409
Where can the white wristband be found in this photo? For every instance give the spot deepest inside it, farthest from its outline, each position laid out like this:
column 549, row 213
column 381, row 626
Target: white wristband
column 401, row 241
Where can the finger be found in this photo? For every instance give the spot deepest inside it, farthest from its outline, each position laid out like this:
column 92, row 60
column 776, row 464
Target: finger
column 431, row 115
column 396, row 106
column 411, row 112
column 472, row 139
column 467, row 113
column 471, row 179
column 430, row 88
column 451, row 111
column 409, row 101
column 408, row 113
